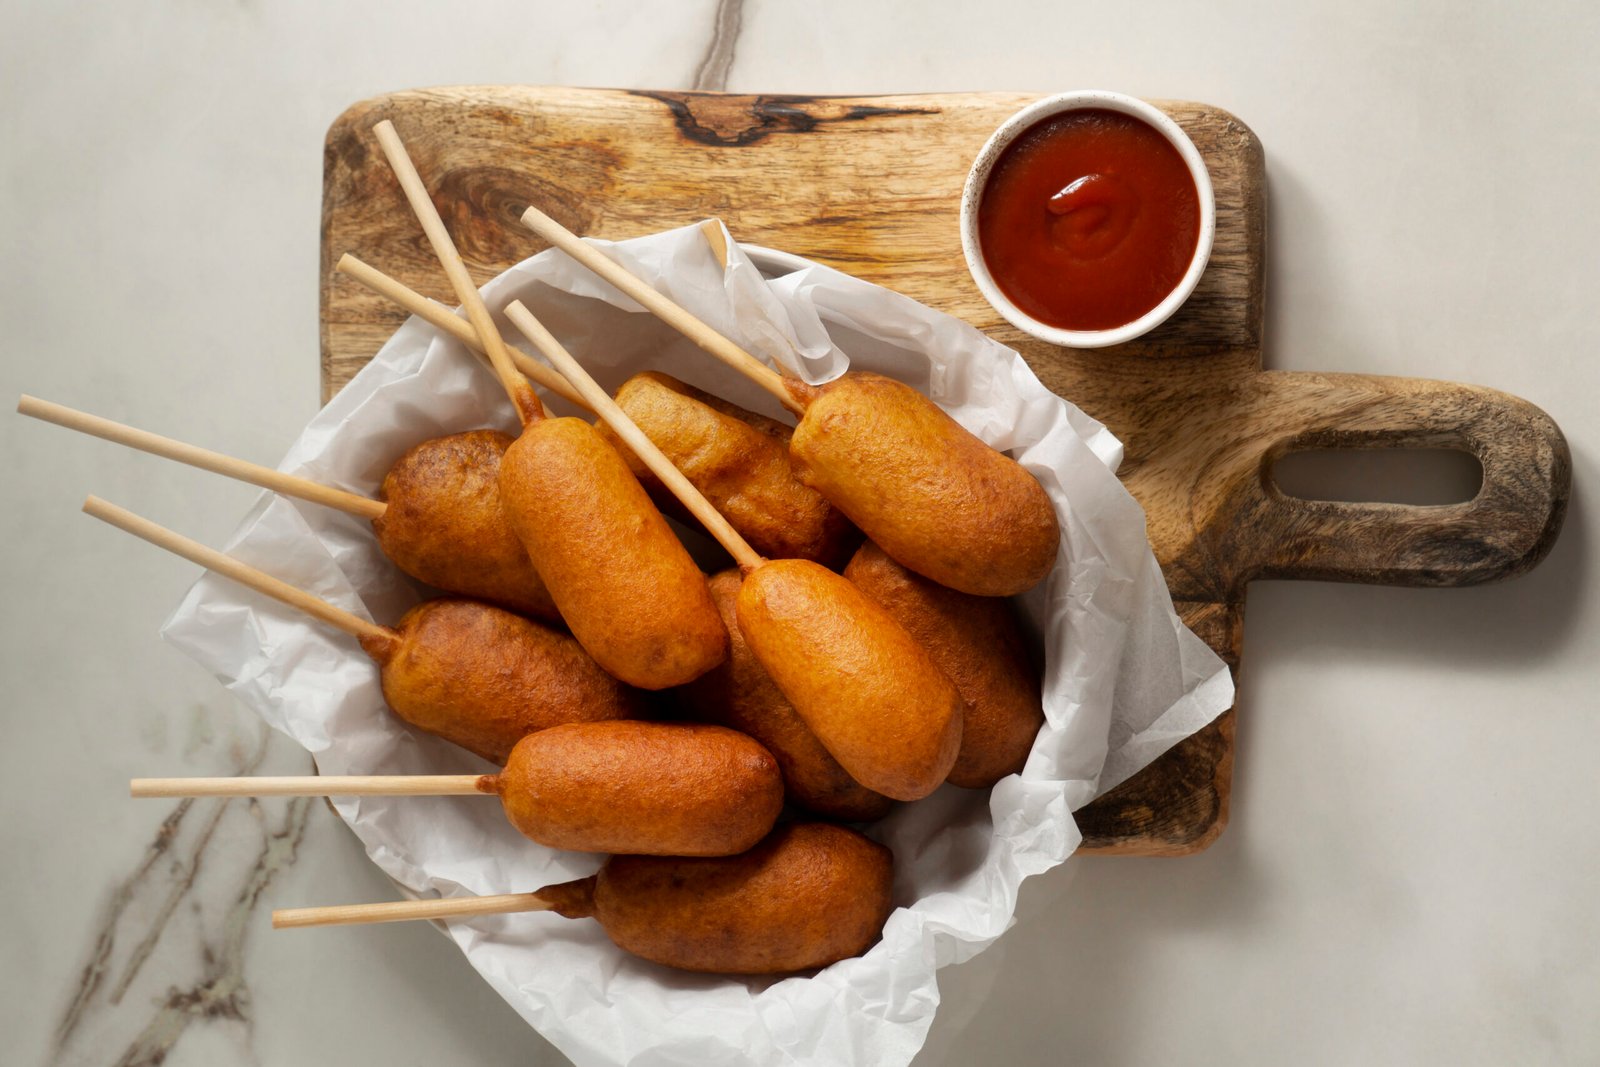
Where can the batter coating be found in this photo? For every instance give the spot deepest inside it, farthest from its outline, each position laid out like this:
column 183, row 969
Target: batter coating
column 978, row 642
column 740, row 461
column 865, row 687
column 485, row 678
column 811, row 894
column 929, row 493
column 646, row 788
column 444, row 524
column 624, row 583
column 739, row 693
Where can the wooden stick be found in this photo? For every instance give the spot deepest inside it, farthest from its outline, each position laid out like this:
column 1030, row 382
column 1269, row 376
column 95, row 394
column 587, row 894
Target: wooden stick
column 625, row 428
column 712, row 228
column 315, row 785
column 216, row 462
column 517, row 388
column 402, row 910
column 662, row 307
column 451, row 322
column 716, row 236
column 229, row 567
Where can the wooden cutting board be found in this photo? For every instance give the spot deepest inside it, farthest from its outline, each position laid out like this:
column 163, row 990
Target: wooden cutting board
column 871, row 185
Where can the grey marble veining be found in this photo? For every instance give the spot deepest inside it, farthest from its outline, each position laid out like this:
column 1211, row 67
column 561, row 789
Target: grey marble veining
column 711, row 75
column 169, row 951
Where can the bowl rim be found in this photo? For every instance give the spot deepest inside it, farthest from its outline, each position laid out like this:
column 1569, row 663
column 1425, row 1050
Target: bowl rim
column 978, row 177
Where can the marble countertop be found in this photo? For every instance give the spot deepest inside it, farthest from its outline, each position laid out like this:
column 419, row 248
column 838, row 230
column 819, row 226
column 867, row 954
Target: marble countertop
column 1409, row 873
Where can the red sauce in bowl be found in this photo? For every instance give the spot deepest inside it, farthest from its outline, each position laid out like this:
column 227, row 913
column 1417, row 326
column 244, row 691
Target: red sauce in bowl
column 1089, row 219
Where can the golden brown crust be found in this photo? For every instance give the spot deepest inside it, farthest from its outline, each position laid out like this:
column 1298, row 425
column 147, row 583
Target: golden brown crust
column 809, row 895
column 485, row 678
column 978, row 642
column 865, row 687
column 444, row 524
column 740, row 461
column 931, row 494
column 643, row 788
column 624, row 583
column 738, row 693
column 571, row 900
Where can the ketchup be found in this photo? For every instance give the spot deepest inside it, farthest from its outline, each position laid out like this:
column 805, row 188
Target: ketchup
column 1089, row 219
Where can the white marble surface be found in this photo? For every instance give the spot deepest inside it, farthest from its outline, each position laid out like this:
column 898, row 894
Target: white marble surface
column 1409, row 874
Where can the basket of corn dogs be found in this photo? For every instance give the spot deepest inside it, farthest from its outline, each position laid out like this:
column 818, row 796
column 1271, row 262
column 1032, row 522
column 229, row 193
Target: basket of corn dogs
column 787, row 619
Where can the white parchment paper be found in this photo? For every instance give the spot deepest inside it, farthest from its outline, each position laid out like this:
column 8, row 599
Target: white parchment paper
column 1124, row 679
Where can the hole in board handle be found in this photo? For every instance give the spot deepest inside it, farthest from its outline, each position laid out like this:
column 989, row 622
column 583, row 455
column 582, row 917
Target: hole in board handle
column 1417, row 476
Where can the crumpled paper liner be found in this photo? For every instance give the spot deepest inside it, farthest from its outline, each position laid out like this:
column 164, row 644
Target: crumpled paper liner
column 1124, row 679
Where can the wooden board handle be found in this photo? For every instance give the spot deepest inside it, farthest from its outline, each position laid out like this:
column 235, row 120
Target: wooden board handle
column 1503, row 531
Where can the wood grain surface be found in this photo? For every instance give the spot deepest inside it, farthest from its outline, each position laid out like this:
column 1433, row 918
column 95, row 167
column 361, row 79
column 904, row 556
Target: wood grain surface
column 871, row 186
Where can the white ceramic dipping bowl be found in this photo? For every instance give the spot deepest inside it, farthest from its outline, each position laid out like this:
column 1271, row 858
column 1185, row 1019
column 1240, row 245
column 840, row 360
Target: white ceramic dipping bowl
column 978, row 178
